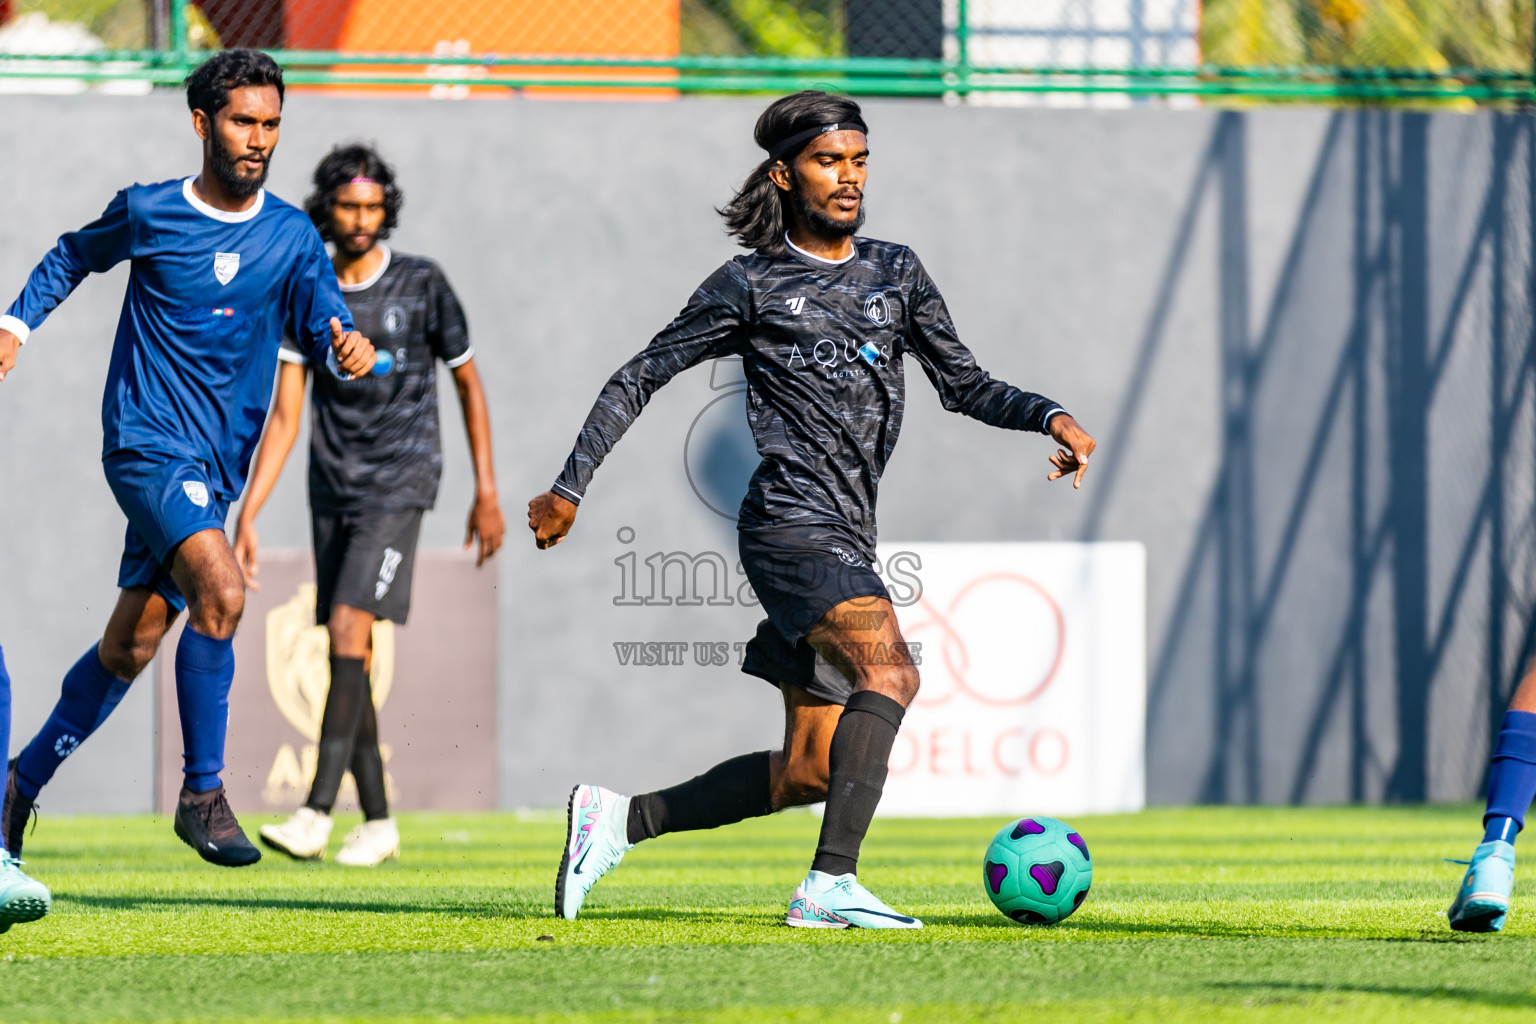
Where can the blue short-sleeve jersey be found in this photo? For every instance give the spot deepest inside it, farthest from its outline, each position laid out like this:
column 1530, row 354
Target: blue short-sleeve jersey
column 209, row 298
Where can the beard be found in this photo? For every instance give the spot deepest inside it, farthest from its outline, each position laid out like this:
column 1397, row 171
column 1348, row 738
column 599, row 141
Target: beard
column 344, row 244
column 228, row 172
column 819, row 223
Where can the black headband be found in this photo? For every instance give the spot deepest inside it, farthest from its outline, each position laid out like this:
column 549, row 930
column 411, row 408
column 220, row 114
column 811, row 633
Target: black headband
column 796, row 142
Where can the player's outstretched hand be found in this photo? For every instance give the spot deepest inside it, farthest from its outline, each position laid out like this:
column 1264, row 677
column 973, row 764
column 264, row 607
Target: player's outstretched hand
column 550, row 517
column 10, row 345
column 354, row 353
column 1078, row 446
column 485, row 519
column 246, row 543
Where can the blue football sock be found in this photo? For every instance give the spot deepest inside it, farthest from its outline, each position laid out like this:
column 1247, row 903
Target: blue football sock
column 5, row 725
column 1511, row 777
column 5, row 711
column 87, row 697
column 1500, row 827
column 205, row 669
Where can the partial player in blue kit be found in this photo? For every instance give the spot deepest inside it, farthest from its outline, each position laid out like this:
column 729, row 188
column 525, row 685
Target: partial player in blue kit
column 219, row 269
column 1482, row 901
column 22, row 899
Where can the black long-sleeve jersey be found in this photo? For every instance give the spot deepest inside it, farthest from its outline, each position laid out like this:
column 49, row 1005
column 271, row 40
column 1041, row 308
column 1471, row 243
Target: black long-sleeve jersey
column 822, row 346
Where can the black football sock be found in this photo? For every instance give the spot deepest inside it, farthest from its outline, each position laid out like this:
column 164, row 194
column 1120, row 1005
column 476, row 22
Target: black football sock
column 857, row 764
column 368, row 763
column 338, row 730
column 727, row 793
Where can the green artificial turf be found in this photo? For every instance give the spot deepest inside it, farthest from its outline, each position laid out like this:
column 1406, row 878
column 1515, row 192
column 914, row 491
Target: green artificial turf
column 1198, row 914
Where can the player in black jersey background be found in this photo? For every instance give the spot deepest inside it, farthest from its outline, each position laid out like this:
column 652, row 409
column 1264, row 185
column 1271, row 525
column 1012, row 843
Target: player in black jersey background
column 823, row 320
column 374, row 466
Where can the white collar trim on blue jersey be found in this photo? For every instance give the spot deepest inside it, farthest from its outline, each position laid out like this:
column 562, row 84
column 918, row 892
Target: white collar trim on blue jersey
column 820, row 259
column 227, row 216
column 363, row 286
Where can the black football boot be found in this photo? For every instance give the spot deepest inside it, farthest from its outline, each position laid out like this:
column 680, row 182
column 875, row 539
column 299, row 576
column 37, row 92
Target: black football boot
column 205, row 823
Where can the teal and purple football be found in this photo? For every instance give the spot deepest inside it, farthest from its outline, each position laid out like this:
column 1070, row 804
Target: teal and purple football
column 1037, row 870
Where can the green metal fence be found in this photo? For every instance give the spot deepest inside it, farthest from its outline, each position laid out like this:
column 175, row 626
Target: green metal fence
column 1433, row 52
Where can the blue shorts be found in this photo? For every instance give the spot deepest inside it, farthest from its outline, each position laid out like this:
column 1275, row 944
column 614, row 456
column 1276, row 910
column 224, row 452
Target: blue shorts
column 166, row 500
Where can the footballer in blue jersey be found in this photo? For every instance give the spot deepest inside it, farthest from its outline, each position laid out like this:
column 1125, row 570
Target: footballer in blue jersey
column 220, row 269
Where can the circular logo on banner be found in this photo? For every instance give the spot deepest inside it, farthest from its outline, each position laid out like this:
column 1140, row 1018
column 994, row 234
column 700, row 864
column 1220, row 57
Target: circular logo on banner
column 1001, row 639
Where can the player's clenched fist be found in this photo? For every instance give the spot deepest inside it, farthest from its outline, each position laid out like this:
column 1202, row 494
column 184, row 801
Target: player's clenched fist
column 9, row 346
column 550, row 517
column 354, row 353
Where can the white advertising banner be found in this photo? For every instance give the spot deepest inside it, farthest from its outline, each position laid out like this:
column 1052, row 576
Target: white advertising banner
column 1034, row 671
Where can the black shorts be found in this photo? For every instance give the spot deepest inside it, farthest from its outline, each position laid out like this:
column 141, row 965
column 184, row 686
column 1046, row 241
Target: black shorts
column 364, row 560
column 769, row 656
column 800, row 573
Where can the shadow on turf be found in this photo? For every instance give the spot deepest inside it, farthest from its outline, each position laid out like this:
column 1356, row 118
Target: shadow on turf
column 489, row 910
column 1506, row 1000
column 482, row 909
column 1199, row 930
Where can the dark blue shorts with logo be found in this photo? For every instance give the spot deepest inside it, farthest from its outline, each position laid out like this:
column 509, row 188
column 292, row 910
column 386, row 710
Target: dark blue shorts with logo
column 800, row 573
column 166, row 499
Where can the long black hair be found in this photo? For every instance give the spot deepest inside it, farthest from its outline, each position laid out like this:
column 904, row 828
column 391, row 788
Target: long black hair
column 755, row 214
column 338, row 168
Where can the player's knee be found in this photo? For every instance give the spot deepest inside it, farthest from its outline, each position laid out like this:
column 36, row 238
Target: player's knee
column 804, row 781
column 350, row 631
column 127, row 657
column 898, row 682
column 907, row 683
column 218, row 610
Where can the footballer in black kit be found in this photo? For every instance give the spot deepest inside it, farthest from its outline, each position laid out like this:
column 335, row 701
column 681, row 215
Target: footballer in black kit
column 824, row 321
column 375, row 455
column 375, row 461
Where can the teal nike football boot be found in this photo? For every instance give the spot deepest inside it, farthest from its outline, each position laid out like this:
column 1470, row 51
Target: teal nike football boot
column 22, row 899
column 1483, row 900
column 596, row 839
column 839, row 901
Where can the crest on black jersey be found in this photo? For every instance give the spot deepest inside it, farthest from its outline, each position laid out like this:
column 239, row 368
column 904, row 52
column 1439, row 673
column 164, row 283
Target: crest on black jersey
column 878, row 309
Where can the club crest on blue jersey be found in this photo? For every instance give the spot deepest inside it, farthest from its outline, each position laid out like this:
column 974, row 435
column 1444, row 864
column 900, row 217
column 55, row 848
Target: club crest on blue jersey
column 225, row 266
column 197, row 492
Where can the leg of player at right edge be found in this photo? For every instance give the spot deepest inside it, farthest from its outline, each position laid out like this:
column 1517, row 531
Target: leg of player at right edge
column 1482, row 901
column 22, row 899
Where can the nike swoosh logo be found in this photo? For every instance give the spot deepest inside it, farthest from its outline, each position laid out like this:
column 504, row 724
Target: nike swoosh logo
column 583, row 859
column 878, row 913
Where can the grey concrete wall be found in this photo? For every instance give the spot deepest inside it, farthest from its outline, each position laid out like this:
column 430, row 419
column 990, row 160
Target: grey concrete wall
column 1303, row 339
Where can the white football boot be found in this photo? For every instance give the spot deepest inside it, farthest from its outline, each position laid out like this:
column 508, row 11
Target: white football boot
column 371, row 843
column 596, row 839
column 839, row 901
column 303, row 836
